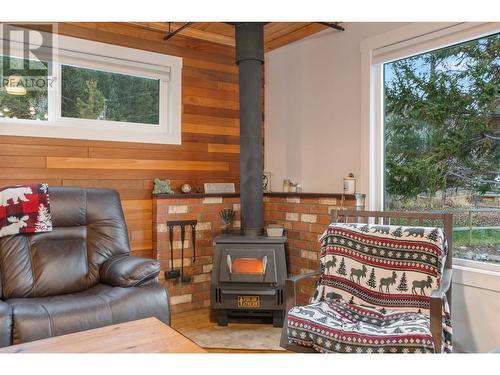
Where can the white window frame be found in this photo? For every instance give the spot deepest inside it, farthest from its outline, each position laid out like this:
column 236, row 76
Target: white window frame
column 407, row 41
column 114, row 59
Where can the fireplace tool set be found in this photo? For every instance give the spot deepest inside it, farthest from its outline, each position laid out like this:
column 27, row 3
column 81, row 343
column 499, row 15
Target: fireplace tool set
column 173, row 273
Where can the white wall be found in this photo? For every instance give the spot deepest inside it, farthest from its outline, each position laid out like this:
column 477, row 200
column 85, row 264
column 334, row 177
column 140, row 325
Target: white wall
column 313, row 100
column 476, row 308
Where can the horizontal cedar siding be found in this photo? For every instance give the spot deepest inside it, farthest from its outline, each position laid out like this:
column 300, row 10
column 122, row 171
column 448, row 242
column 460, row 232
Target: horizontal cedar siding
column 210, row 145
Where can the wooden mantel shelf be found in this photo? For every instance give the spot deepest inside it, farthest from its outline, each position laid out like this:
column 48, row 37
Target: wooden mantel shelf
column 272, row 194
column 312, row 195
column 195, row 195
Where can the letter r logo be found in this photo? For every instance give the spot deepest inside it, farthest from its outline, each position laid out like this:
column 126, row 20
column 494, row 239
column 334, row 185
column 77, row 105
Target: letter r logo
column 31, row 45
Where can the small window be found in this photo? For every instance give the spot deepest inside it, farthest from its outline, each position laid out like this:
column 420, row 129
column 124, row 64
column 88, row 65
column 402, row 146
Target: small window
column 21, row 97
column 99, row 95
column 90, row 90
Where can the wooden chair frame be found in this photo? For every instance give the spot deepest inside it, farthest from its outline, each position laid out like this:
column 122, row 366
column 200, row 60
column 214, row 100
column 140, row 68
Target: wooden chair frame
column 440, row 220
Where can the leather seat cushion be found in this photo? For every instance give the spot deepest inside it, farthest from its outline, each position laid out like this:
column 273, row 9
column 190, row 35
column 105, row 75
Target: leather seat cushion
column 337, row 326
column 102, row 305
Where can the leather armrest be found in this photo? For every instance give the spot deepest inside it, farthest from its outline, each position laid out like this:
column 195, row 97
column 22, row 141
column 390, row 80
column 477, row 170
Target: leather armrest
column 128, row 271
column 5, row 324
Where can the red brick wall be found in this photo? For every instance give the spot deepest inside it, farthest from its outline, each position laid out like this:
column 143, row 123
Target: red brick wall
column 196, row 294
column 304, row 218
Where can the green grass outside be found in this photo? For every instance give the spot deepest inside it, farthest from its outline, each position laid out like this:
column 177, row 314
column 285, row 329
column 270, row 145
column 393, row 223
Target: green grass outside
column 479, row 237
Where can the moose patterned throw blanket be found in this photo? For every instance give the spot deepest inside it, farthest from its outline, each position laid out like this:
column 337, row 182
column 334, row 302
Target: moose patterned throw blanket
column 24, row 209
column 373, row 294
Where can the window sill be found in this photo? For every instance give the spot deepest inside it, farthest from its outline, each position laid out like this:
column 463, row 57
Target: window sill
column 476, row 274
column 92, row 130
column 477, row 265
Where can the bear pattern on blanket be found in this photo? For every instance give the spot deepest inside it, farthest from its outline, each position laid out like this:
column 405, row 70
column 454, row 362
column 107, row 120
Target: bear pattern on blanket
column 24, row 209
column 15, row 195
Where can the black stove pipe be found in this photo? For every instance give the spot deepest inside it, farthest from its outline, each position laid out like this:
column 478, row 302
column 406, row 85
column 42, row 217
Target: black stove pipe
column 250, row 57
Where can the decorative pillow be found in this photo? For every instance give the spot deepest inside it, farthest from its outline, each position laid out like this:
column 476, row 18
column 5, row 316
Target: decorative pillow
column 24, row 209
column 385, row 266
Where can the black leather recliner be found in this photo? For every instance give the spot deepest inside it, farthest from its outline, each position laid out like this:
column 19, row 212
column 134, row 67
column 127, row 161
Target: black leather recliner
column 79, row 276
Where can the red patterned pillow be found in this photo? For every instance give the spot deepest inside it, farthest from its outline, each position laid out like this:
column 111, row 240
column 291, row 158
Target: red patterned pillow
column 381, row 265
column 24, row 209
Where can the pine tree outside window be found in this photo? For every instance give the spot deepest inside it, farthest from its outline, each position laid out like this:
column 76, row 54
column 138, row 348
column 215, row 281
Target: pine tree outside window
column 100, row 95
column 442, row 150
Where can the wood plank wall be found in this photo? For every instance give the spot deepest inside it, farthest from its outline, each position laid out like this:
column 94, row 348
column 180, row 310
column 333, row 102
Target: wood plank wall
column 210, row 134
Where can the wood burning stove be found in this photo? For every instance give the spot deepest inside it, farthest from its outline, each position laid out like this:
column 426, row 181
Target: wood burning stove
column 248, row 277
column 249, row 269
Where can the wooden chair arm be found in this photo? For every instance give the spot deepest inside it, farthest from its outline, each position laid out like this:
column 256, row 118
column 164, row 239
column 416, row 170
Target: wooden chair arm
column 291, row 288
column 436, row 308
column 291, row 301
column 296, row 278
column 445, row 285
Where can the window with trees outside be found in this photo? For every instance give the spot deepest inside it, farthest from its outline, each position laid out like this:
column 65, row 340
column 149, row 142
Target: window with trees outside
column 85, row 94
column 442, row 140
column 99, row 95
column 93, row 91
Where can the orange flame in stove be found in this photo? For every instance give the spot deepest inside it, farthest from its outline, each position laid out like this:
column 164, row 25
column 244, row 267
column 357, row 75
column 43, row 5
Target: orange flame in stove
column 248, row 265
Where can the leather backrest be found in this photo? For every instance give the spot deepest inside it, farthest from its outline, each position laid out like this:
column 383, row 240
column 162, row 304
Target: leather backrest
column 88, row 228
column 381, row 265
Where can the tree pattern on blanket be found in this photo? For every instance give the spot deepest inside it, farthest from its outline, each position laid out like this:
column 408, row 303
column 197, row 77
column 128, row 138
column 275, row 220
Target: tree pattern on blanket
column 372, row 282
column 403, row 284
column 380, row 255
column 373, row 297
column 341, row 270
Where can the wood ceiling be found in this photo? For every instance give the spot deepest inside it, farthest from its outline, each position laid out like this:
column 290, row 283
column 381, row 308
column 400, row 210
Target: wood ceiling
column 276, row 34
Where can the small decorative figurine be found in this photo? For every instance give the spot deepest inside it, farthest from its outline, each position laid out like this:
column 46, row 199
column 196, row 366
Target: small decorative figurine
column 266, row 182
column 349, row 184
column 162, row 187
column 286, row 186
column 186, row 188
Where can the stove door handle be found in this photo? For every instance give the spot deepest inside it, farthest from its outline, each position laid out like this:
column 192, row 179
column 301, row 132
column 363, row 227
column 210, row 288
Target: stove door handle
column 264, row 265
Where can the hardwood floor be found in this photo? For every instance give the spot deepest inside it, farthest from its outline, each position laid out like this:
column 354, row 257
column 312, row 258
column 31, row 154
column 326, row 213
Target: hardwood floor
column 203, row 320
column 245, row 351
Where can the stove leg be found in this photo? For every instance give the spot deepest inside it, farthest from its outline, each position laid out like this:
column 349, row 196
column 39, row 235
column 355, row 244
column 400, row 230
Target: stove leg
column 222, row 318
column 278, row 318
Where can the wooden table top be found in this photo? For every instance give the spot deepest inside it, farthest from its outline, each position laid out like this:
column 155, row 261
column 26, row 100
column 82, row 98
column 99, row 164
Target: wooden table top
column 139, row 336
